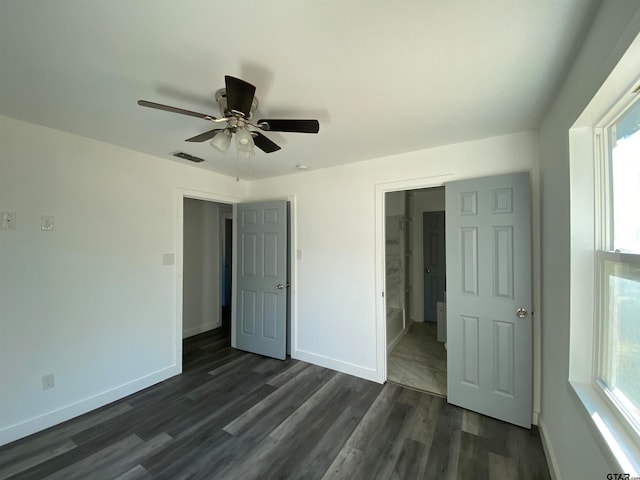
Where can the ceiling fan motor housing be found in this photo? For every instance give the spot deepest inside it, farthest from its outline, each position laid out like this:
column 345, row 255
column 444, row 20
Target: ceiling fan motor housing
column 221, row 99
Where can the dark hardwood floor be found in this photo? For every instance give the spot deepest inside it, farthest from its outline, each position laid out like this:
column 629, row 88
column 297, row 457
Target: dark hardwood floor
column 235, row 415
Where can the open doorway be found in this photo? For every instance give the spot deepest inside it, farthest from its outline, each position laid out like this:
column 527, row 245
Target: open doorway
column 227, row 263
column 206, row 285
column 415, row 289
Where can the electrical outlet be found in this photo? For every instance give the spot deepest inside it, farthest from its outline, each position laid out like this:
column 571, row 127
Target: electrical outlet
column 47, row 381
column 8, row 220
column 168, row 259
column 46, row 222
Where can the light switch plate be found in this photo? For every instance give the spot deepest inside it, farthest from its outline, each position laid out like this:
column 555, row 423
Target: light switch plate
column 46, row 222
column 168, row 259
column 8, row 220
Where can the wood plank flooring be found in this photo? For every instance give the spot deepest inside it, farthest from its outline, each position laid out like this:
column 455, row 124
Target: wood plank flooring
column 235, row 415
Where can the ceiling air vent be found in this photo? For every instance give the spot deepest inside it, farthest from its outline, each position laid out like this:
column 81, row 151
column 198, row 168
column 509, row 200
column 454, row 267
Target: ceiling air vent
column 186, row 156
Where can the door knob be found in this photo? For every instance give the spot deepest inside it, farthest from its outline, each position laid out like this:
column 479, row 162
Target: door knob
column 280, row 286
column 521, row 312
column 427, row 270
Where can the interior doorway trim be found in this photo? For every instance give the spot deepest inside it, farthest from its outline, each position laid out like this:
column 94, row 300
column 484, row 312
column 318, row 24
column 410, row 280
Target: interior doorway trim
column 381, row 304
column 183, row 193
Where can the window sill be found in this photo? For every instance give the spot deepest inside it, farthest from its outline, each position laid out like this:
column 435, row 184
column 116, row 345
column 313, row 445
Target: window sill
column 611, row 434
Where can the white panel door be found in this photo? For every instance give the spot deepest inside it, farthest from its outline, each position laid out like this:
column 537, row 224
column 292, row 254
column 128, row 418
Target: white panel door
column 489, row 325
column 261, row 293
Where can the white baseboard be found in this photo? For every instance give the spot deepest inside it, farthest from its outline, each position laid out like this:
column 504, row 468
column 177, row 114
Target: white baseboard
column 41, row 422
column 548, row 451
column 335, row 364
column 204, row 327
column 396, row 340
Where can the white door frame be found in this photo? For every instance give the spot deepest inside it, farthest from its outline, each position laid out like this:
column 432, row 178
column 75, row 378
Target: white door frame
column 381, row 303
column 183, row 193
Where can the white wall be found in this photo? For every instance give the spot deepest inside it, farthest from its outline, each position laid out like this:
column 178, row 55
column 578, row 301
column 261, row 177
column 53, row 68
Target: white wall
column 420, row 201
column 202, row 248
column 89, row 301
column 335, row 223
column 572, row 448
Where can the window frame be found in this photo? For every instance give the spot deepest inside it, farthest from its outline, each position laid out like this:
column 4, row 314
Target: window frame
column 602, row 354
column 604, row 252
column 610, row 431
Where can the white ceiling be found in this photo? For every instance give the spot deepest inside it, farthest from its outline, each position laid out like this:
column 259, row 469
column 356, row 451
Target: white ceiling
column 382, row 76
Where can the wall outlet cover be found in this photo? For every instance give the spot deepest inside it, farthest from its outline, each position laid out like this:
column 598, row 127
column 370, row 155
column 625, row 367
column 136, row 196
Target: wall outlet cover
column 47, row 381
column 46, row 222
column 8, row 221
column 168, row 259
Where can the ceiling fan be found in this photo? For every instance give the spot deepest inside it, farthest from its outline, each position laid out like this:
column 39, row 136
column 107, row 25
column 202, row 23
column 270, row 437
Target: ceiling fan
column 237, row 102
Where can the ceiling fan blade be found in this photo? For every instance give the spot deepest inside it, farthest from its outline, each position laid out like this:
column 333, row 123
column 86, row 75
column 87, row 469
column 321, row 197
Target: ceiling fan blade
column 299, row 126
column 263, row 143
column 203, row 137
column 239, row 95
column 168, row 108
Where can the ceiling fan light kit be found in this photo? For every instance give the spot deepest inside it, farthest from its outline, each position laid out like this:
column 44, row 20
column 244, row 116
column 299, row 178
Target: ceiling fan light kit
column 237, row 103
column 244, row 142
column 222, row 140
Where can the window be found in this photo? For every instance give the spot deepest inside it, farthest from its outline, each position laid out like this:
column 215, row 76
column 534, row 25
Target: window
column 618, row 265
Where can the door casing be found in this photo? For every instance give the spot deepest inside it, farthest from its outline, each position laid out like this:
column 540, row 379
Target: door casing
column 381, row 306
column 183, row 193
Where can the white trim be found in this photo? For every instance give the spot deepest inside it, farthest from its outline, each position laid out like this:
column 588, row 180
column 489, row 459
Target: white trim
column 335, row 364
column 609, row 432
column 535, row 418
column 381, row 307
column 181, row 194
column 41, row 422
column 234, row 268
column 293, row 269
column 549, row 453
column 582, row 246
column 396, row 340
